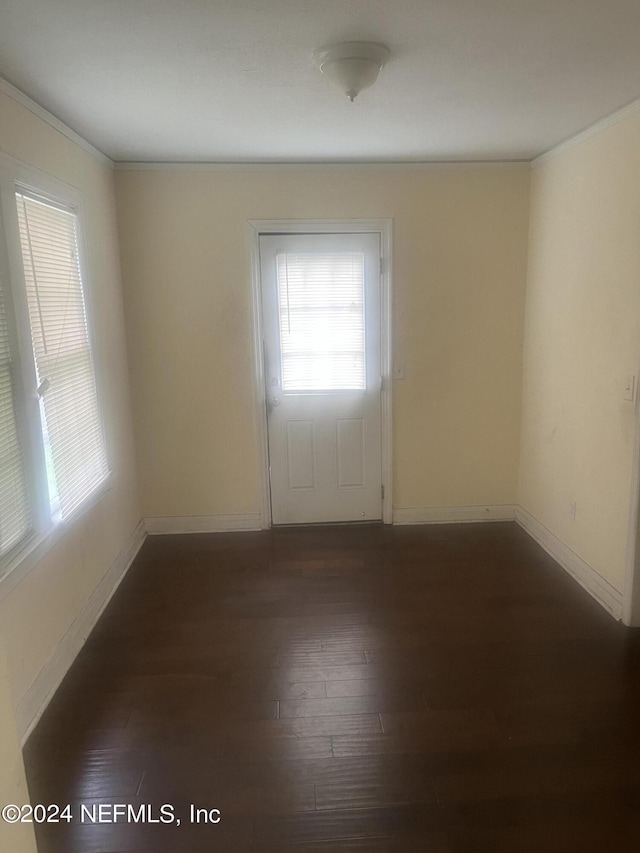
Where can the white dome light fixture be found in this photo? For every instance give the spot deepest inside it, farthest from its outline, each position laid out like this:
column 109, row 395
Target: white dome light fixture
column 352, row 65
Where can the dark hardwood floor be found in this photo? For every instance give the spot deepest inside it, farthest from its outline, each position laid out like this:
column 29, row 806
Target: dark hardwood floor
column 443, row 688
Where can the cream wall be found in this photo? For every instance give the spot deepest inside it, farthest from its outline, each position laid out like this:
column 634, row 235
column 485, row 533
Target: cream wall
column 459, row 274
column 17, row 838
column 582, row 338
column 37, row 612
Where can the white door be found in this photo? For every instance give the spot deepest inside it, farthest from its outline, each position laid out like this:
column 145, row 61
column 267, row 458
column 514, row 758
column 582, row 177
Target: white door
column 321, row 310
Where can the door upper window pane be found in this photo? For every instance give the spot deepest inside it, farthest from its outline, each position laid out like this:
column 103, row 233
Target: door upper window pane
column 321, row 317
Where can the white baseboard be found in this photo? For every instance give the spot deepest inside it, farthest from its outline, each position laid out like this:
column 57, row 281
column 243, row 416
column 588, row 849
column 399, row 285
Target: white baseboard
column 454, row 514
column 603, row 592
column 202, row 523
column 33, row 704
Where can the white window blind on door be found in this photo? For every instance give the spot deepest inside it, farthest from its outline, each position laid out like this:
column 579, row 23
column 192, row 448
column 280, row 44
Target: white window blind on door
column 73, row 436
column 15, row 511
column 321, row 316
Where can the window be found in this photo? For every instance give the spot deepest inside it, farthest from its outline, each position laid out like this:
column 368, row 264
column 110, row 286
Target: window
column 52, row 447
column 321, row 318
column 72, row 432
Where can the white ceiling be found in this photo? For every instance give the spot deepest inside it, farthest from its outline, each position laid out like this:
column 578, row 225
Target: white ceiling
column 234, row 80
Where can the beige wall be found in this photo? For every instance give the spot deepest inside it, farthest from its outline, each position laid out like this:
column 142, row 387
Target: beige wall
column 17, row 838
column 459, row 273
column 37, row 613
column 582, row 338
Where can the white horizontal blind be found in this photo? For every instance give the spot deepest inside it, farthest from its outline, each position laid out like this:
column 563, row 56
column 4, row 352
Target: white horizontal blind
column 15, row 509
column 76, row 456
column 321, row 315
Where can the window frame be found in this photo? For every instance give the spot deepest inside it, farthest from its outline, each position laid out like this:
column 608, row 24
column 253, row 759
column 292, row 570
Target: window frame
column 17, row 177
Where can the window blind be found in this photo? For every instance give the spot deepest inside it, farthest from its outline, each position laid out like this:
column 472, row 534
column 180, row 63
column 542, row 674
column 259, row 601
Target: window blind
column 73, row 436
column 321, row 315
column 15, row 510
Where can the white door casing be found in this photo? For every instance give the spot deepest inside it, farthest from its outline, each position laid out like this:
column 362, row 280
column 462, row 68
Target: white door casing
column 321, row 304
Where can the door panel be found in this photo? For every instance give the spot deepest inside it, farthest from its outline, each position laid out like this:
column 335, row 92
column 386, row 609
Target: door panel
column 321, row 309
column 301, row 454
column 350, row 452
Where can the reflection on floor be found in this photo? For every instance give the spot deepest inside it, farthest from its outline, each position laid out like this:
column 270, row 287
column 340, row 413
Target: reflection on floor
column 441, row 688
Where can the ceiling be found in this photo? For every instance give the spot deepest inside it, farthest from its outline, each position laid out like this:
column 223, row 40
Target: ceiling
column 234, row 80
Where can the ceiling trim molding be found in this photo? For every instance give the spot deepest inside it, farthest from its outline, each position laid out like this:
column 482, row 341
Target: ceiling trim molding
column 315, row 166
column 266, row 166
column 28, row 103
column 588, row 132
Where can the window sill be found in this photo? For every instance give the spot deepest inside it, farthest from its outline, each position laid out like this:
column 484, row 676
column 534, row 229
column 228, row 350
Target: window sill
column 38, row 546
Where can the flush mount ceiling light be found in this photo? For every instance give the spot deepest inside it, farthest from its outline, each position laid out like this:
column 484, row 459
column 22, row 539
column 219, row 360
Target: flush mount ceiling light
column 352, row 65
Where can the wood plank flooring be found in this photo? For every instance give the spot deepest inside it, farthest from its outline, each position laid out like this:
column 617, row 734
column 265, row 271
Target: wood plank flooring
column 442, row 688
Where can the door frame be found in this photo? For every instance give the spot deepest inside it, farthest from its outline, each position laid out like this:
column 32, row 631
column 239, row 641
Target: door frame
column 382, row 227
